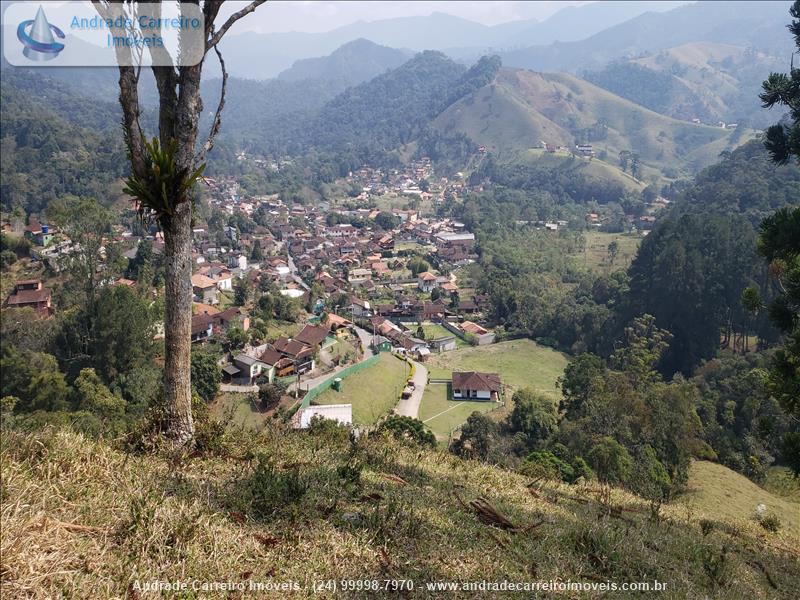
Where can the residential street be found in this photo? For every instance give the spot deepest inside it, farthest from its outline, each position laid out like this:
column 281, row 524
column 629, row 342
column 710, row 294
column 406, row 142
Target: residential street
column 307, row 384
column 410, row 407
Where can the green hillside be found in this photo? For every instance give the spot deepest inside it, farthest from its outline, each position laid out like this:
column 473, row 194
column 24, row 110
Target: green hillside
column 520, row 109
column 592, row 169
column 85, row 520
column 724, row 80
column 716, row 489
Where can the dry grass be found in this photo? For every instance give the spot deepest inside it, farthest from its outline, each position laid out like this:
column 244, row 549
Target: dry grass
column 720, row 490
column 82, row 520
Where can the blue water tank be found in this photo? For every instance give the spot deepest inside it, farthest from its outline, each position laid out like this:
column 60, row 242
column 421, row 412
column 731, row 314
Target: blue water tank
column 45, row 229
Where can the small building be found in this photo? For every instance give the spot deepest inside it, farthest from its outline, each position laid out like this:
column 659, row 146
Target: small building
column 443, row 344
column 39, row 234
column 381, row 344
column 30, row 293
column 339, row 326
column 359, row 307
column 474, row 385
column 202, row 327
column 249, row 368
column 341, row 413
column 204, row 289
column 312, row 335
column 426, row 281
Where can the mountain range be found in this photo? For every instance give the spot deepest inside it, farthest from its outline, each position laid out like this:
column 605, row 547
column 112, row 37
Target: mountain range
column 439, row 31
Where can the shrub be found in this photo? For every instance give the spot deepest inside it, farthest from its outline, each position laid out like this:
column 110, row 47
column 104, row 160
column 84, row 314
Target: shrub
column 770, row 522
column 272, row 490
column 582, row 468
column 611, row 461
column 547, row 465
column 270, row 394
column 407, row 428
column 650, row 478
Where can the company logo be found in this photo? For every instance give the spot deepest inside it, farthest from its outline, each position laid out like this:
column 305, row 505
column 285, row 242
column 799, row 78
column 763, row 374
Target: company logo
column 37, row 37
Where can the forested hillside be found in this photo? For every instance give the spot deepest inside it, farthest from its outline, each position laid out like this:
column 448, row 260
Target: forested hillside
column 54, row 142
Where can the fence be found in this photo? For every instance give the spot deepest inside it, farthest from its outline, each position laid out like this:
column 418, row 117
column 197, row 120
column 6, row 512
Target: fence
column 482, row 340
column 322, row 387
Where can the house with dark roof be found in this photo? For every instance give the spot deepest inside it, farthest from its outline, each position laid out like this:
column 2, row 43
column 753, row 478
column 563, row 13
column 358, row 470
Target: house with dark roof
column 301, row 355
column 202, row 327
column 474, row 385
column 312, row 335
column 246, row 369
column 30, row 293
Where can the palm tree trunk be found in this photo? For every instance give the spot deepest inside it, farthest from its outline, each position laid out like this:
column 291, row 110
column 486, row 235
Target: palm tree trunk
column 178, row 324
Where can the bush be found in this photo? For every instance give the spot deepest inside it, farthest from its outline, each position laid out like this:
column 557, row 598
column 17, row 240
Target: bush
column 770, row 522
column 408, row 428
column 611, row 461
column 270, row 394
column 582, row 468
column 547, row 465
column 272, row 490
column 650, row 478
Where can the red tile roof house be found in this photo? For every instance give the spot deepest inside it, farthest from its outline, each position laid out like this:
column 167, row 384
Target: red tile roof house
column 204, row 288
column 473, row 385
column 29, row 293
column 426, row 281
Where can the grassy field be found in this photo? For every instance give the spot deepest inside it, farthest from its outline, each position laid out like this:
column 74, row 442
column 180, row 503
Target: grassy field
column 84, row 519
column 238, row 410
column 373, row 392
column 442, row 414
column 595, row 257
column 717, row 490
column 781, row 482
column 520, row 363
column 434, row 331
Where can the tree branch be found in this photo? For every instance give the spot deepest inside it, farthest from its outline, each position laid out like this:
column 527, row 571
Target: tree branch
column 215, row 38
column 128, row 94
column 215, row 125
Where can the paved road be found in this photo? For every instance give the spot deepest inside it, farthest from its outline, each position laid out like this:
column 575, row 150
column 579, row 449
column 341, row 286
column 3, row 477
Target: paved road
column 307, row 384
column 410, row 407
column 366, row 341
column 294, row 273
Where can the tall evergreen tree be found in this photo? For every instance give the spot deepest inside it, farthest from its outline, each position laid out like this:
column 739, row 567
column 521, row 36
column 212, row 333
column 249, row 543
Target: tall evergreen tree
column 782, row 89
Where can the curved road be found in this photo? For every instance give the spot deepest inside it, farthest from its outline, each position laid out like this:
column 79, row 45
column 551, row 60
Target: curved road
column 410, row 407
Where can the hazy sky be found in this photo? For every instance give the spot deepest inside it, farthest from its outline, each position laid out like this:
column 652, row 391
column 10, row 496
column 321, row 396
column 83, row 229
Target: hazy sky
column 323, row 15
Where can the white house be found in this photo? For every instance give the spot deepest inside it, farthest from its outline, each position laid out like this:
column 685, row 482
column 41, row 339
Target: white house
column 474, row 385
column 249, row 368
column 224, row 281
column 426, row 281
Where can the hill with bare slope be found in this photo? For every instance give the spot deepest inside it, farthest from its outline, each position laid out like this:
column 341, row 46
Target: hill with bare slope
column 520, row 109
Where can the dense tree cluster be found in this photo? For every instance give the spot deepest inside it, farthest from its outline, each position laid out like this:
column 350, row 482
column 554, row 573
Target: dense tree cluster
column 49, row 149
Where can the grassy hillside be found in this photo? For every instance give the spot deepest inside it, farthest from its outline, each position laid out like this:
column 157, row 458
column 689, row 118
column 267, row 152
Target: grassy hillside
column 595, row 255
column 83, row 520
column 591, row 169
column 520, row 363
column 714, row 488
column 522, row 108
column 724, row 79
